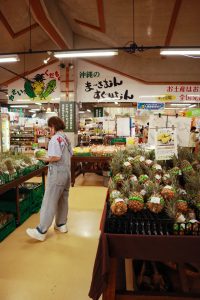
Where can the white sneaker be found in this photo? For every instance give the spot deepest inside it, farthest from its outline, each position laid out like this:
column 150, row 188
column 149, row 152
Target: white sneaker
column 62, row 228
column 35, row 234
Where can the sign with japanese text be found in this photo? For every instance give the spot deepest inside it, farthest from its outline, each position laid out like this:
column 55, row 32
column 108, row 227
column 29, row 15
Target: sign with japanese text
column 97, row 84
column 67, row 114
column 165, row 143
column 98, row 112
column 150, row 106
column 42, row 85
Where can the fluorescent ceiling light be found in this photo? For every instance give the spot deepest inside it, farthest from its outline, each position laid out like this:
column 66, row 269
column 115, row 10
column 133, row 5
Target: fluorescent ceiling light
column 116, row 102
column 81, row 112
column 33, row 116
column 85, row 53
column 38, row 103
column 88, row 110
column 180, row 104
column 9, row 58
column 23, row 100
column 193, row 105
column 152, row 96
column 180, row 52
column 19, row 106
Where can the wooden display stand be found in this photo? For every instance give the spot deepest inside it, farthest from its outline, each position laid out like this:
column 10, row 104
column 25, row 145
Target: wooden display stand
column 113, row 248
column 88, row 165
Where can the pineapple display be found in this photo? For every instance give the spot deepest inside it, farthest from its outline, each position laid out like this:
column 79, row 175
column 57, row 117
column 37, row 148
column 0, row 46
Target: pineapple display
column 168, row 192
column 182, row 206
column 155, row 203
column 136, row 202
column 118, row 207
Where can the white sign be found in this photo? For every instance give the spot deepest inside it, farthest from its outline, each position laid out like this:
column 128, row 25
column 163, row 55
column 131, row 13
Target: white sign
column 123, row 126
column 96, row 84
column 42, row 85
column 165, row 143
column 182, row 125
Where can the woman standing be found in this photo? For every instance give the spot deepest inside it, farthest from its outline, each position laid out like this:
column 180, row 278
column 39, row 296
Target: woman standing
column 55, row 201
column 193, row 139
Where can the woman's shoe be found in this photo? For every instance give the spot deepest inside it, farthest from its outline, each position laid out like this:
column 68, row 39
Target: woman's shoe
column 62, row 228
column 35, row 234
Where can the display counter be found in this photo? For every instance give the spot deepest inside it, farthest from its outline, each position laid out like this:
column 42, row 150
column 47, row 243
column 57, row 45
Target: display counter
column 115, row 250
column 14, row 184
column 87, row 164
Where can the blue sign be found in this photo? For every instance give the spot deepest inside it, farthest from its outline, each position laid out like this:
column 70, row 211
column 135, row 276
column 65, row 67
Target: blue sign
column 150, row 106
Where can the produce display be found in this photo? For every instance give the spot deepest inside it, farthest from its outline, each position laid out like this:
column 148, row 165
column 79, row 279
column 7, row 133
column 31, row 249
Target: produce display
column 154, row 197
column 13, row 166
column 97, row 150
column 39, row 153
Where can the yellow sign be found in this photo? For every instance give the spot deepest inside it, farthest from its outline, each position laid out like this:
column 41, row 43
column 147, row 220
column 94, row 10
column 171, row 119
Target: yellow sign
column 167, row 97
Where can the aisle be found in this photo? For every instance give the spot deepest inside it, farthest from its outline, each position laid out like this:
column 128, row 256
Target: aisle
column 61, row 267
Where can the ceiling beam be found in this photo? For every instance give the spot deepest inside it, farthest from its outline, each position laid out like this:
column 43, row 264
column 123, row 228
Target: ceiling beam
column 173, row 20
column 41, row 16
column 13, row 34
column 101, row 18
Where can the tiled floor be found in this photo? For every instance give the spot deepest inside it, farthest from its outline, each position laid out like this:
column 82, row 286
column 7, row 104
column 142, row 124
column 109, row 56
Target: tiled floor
column 61, row 267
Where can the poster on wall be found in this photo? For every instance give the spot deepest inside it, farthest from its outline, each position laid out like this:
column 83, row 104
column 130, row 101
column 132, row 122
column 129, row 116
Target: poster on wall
column 98, row 84
column 165, row 143
column 181, row 124
column 40, row 86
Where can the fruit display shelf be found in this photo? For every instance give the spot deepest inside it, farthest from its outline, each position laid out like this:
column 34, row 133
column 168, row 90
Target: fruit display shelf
column 15, row 184
column 117, row 253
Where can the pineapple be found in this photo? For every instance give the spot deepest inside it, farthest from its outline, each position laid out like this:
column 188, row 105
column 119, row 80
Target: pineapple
column 149, row 187
column 136, row 202
column 136, row 169
column 155, row 203
column 126, row 188
column 168, row 192
column 182, row 206
column 157, row 168
column 149, row 162
column 166, row 178
column 174, row 172
column 116, row 164
column 143, row 178
column 158, row 178
column 115, row 194
column 171, row 209
column 186, row 167
column 118, row 207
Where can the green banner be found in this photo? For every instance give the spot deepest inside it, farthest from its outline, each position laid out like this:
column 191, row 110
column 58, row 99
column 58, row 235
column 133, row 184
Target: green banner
column 67, row 114
column 193, row 113
column 98, row 112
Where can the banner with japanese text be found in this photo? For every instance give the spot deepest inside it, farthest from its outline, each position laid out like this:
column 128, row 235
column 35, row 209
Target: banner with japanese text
column 40, row 86
column 97, row 84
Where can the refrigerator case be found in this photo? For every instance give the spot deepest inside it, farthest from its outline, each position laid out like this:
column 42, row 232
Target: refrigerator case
column 5, row 132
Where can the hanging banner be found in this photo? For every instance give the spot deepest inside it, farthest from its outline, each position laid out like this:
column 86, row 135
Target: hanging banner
column 150, row 106
column 40, row 86
column 165, row 143
column 97, row 84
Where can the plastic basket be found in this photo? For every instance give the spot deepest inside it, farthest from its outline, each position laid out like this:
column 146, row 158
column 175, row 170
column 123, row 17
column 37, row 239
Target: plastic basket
column 2, row 180
column 36, row 192
column 24, row 215
column 8, row 204
column 7, row 229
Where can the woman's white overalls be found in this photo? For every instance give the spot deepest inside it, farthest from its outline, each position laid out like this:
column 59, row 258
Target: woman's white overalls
column 55, row 201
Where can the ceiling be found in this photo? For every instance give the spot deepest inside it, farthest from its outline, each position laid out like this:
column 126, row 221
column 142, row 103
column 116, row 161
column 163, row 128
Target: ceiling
column 73, row 24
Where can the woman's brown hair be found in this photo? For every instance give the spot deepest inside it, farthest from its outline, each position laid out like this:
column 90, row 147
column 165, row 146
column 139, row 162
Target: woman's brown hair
column 56, row 123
